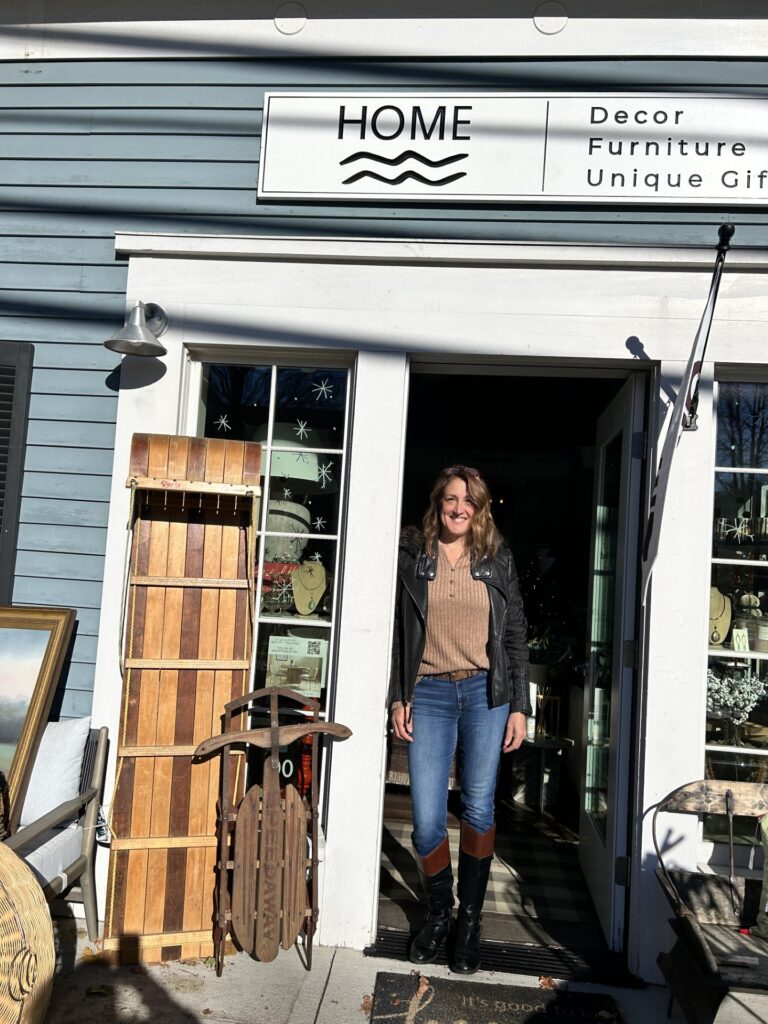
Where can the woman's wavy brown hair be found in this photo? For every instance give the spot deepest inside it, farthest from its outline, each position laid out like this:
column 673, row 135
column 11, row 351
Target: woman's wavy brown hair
column 483, row 540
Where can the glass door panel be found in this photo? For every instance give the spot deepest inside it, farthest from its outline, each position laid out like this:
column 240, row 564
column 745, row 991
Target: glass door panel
column 610, row 673
column 601, row 648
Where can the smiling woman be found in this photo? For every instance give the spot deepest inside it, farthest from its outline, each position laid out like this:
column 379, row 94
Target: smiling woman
column 459, row 682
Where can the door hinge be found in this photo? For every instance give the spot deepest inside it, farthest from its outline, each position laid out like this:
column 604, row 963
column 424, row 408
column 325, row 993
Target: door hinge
column 639, row 444
column 621, row 871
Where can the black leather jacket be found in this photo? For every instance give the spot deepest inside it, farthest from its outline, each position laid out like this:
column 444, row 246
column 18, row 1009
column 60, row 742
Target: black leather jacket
column 507, row 629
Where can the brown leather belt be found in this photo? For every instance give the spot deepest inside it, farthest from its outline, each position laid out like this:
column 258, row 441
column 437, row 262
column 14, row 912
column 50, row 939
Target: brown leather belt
column 456, row 677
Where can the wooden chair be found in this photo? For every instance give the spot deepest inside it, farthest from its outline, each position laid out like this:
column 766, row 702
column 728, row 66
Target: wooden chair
column 712, row 957
column 60, row 846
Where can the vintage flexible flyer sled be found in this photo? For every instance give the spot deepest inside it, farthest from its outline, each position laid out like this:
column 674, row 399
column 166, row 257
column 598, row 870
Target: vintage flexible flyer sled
column 266, row 871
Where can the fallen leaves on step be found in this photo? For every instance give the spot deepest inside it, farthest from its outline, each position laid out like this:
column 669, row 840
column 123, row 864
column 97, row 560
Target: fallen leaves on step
column 367, row 1004
column 547, row 982
column 423, row 985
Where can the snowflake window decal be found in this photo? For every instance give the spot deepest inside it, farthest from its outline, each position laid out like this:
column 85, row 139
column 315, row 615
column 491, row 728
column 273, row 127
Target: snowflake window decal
column 323, row 390
column 283, row 590
column 317, row 557
column 318, row 523
column 740, row 530
column 287, row 493
column 324, row 474
column 302, row 430
column 222, row 423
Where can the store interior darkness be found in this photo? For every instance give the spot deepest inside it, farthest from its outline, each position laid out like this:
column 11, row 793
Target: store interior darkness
column 533, row 440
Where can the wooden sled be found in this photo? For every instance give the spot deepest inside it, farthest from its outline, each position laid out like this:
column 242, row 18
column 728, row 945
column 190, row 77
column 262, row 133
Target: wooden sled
column 266, row 871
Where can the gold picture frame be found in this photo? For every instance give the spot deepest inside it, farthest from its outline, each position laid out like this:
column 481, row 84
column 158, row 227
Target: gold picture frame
column 33, row 645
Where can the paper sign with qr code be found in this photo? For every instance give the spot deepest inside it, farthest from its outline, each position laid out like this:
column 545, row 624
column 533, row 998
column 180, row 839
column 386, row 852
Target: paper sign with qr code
column 297, row 662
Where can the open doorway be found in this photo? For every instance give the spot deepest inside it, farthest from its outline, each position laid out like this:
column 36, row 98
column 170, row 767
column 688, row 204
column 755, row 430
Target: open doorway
column 536, row 441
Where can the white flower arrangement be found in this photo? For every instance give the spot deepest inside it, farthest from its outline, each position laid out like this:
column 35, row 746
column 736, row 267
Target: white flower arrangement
column 734, row 697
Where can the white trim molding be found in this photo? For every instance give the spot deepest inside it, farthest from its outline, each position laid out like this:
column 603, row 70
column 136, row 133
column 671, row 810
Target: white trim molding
column 422, row 251
column 31, row 30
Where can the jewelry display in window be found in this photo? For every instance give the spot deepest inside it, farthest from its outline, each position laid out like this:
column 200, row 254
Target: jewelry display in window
column 719, row 616
column 309, row 585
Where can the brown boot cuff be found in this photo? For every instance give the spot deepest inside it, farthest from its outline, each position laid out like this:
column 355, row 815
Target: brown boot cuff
column 477, row 844
column 436, row 860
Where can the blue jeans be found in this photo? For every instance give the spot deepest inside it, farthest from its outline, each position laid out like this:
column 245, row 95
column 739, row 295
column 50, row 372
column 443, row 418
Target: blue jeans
column 446, row 716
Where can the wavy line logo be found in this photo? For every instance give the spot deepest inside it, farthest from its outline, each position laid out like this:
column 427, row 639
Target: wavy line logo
column 395, row 161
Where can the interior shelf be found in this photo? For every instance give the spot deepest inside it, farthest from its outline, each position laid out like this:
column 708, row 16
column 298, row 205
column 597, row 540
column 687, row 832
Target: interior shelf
column 724, row 652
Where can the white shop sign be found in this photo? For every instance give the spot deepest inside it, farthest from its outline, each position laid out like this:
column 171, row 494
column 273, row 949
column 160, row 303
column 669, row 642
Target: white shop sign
column 515, row 147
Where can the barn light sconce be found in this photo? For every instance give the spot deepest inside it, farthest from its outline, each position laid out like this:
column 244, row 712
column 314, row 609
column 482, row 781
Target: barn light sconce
column 139, row 336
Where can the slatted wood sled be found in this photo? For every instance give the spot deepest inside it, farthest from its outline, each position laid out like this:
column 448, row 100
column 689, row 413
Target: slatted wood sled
column 714, row 956
column 266, row 892
column 185, row 653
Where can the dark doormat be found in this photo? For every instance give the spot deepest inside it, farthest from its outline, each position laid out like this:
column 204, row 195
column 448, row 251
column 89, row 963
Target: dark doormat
column 598, row 967
column 411, row 999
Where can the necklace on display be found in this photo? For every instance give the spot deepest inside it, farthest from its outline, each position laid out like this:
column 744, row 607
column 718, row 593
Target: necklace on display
column 720, row 617
column 309, row 582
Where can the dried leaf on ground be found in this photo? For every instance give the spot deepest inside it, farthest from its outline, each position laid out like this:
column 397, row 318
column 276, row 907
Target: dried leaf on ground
column 423, row 985
column 95, row 957
column 547, row 982
column 367, row 1004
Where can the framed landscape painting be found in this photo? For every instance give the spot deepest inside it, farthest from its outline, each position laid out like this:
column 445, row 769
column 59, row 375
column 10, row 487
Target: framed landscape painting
column 33, row 645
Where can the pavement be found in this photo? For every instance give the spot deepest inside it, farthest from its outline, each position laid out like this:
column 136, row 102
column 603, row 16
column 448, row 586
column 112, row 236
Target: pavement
column 338, row 989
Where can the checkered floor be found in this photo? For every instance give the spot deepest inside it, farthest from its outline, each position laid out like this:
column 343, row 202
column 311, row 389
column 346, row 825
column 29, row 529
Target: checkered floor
column 531, row 875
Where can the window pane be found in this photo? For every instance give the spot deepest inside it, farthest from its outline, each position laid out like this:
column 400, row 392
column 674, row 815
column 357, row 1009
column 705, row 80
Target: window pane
column 293, row 655
column 310, row 406
column 601, row 667
column 741, row 516
column 738, row 601
column 737, row 702
column 737, row 767
column 298, row 577
column 295, row 757
column 236, row 401
column 742, row 425
column 304, row 494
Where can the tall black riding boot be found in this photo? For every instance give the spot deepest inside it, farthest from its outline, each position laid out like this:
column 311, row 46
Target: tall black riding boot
column 437, row 881
column 475, row 856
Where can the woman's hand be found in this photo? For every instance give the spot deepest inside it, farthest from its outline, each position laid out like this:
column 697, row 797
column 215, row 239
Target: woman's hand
column 515, row 732
column 400, row 719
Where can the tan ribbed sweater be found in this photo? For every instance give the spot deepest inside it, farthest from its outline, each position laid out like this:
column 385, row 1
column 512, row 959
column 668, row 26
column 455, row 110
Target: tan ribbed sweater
column 458, row 610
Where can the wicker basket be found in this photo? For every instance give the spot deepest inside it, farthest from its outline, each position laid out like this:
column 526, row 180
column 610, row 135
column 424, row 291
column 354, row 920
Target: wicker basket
column 27, row 953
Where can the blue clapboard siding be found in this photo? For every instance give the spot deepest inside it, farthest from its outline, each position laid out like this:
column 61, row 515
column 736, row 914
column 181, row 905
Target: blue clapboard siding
column 89, row 148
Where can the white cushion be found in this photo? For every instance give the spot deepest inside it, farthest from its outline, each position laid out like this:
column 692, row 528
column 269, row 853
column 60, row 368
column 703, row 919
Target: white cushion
column 53, row 852
column 58, row 764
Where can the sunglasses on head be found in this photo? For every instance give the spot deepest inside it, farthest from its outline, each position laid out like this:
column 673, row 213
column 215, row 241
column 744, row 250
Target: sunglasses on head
column 457, row 470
